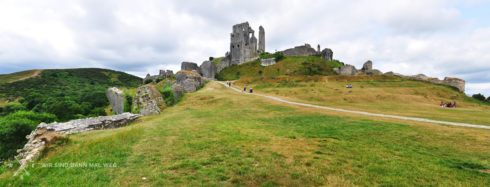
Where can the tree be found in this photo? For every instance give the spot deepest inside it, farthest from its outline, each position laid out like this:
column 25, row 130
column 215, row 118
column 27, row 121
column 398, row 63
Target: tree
column 14, row 128
column 479, row 96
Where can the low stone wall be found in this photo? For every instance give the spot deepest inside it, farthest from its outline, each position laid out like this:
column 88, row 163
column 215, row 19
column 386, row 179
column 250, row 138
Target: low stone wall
column 46, row 134
column 267, row 61
column 450, row 81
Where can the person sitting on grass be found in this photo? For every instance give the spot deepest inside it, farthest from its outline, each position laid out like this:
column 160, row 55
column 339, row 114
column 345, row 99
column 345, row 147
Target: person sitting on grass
column 448, row 105
column 442, row 104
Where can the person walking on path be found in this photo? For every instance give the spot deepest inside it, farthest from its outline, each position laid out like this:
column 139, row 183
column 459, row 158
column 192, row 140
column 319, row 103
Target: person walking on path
column 251, row 90
column 244, row 89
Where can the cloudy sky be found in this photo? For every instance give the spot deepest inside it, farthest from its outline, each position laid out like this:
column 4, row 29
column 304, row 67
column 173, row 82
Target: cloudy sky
column 438, row 38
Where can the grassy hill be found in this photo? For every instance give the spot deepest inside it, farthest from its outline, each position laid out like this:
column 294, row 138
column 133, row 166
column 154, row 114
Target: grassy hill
column 217, row 137
column 308, row 65
column 380, row 94
column 60, row 90
column 21, row 75
column 52, row 95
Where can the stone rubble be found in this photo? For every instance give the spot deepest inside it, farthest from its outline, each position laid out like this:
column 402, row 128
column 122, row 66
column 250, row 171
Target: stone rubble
column 148, row 100
column 45, row 134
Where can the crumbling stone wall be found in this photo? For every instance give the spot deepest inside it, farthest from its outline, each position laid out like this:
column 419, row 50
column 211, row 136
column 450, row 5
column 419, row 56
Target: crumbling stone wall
column 243, row 44
column 148, row 100
column 303, row 50
column 116, row 99
column 261, row 39
column 45, row 134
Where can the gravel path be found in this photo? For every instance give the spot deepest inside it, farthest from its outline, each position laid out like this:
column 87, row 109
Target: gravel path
column 364, row 113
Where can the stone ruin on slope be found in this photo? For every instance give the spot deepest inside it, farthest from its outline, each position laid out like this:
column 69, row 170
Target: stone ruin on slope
column 367, row 68
column 162, row 75
column 46, row 134
column 243, row 46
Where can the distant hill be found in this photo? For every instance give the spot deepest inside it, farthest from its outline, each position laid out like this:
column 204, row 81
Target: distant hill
column 295, row 65
column 18, row 76
column 67, row 93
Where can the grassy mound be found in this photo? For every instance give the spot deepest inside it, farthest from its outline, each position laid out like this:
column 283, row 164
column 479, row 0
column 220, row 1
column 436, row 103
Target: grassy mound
column 217, row 137
column 309, row 65
column 380, row 94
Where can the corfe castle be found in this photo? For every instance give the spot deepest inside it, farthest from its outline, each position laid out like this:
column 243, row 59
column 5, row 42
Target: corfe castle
column 245, row 47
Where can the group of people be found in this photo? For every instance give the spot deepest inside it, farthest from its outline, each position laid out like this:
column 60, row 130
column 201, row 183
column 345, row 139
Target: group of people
column 229, row 83
column 245, row 90
column 450, row 105
column 348, row 86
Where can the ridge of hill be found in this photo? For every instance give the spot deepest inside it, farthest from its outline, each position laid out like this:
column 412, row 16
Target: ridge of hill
column 292, row 65
column 18, row 76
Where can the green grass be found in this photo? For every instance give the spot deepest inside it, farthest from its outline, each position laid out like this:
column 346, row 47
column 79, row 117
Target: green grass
column 12, row 77
column 308, row 65
column 216, row 137
column 379, row 94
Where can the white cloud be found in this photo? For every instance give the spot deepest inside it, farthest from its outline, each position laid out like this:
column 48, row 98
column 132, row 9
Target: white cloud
column 410, row 37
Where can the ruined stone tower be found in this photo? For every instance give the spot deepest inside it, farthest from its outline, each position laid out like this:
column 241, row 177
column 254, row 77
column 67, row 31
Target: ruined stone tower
column 243, row 45
column 261, row 39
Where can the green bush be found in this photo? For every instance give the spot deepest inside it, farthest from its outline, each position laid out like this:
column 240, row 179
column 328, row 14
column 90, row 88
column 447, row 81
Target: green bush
column 167, row 94
column 11, row 108
column 479, row 97
column 277, row 56
column 128, row 104
column 14, row 128
column 147, row 81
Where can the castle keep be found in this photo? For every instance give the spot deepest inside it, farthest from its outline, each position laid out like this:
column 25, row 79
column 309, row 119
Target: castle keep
column 243, row 43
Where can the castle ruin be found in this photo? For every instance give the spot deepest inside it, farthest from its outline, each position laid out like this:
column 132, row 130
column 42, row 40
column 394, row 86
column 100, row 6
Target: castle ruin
column 243, row 43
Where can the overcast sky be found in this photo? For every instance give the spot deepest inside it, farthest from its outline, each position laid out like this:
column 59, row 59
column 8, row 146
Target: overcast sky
column 438, row 38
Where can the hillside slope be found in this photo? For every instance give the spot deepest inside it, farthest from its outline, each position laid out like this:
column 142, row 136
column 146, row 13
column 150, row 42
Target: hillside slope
column 217, row 137
column 378, row 94
column 295, row 65
column 65, row 92
column 17, row 76
column 30, row 97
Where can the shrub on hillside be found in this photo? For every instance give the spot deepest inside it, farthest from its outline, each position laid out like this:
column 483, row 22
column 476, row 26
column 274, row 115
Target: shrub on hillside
column 277, row 56
column 167, row 94
column 14, row 128
column 11, row 109
column 147, row 81
column 479, row 97
column 128, row 104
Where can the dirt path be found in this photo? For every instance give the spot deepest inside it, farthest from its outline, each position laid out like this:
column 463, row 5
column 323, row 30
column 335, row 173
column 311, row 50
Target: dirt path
column 34, row 74
column 364, row 113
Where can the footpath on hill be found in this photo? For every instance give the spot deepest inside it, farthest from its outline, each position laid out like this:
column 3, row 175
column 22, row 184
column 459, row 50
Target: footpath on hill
column 361, row 112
